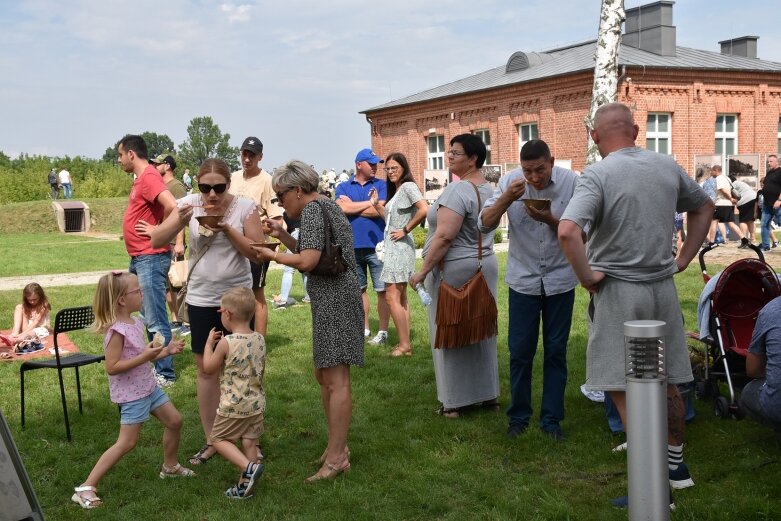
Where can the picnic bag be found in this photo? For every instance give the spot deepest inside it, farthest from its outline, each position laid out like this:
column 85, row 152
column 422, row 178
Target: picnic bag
column 177, row 274
column 181, row 308
column 468, row 314
column 331, row 262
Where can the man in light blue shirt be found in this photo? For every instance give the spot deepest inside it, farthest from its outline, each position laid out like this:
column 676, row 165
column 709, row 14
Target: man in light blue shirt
column 541, row 281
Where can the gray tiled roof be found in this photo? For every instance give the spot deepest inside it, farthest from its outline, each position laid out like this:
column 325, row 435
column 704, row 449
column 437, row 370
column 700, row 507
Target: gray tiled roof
column 578, row 58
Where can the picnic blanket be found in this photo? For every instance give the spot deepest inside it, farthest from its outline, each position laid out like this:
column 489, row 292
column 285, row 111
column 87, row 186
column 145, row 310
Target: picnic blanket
column 66, row 347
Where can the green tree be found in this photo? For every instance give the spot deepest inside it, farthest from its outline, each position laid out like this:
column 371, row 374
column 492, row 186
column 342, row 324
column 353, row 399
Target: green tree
column 205, row 140
column 156, row 144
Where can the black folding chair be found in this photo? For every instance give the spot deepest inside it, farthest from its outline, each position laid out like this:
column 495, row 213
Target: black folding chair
column 69, row 319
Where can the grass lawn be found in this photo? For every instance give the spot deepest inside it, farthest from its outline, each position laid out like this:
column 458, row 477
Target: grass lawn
column 407, row 462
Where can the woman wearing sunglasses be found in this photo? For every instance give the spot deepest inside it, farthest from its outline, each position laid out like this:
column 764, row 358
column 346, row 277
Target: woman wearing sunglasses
column 219, row 261
column 337, row 311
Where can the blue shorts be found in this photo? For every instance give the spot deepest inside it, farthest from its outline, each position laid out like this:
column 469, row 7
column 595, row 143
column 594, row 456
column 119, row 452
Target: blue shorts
column 367, row 258
column 137, row 411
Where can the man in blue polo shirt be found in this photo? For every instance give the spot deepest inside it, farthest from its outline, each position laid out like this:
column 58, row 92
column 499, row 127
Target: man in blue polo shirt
column 352, row 196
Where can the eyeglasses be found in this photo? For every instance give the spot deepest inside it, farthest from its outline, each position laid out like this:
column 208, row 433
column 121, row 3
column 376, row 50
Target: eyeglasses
column 392, row 169
column 455, row 153
column 280, row 195
column 137, row 290
column 218, row 188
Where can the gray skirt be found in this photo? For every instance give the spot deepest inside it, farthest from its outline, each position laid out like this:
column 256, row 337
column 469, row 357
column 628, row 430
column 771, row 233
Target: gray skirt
column 468, row 374
column 619, row 301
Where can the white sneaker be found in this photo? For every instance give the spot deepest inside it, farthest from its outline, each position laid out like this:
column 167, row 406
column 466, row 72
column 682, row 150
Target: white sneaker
column 367, row 333
column 620, row 448
column 381, row 338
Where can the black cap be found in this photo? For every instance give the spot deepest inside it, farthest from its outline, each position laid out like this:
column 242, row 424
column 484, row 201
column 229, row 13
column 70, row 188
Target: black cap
column 252, row 144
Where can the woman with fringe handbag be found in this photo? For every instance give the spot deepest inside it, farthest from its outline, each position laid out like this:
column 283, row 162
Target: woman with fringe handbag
column 461, row 273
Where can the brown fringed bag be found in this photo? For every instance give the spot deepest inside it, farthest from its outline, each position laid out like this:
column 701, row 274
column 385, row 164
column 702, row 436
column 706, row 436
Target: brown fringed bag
column 468, row 314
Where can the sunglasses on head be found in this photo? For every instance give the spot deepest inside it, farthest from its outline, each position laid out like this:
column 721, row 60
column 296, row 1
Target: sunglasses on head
column 218, row 188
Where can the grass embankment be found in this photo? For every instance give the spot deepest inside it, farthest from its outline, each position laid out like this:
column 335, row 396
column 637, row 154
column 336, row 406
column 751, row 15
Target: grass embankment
column 33, row 245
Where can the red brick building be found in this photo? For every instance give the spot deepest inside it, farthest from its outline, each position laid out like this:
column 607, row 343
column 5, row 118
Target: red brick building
column 687, row 102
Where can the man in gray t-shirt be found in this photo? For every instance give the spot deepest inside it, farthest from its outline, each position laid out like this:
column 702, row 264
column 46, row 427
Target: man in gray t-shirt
column 628, row 200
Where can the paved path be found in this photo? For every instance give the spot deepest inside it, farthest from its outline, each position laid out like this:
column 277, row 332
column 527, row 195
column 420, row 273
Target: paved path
column 91, row 277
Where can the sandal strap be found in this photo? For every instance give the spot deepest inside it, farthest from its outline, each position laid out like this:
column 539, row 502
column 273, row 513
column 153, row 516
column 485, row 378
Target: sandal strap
column 85, row 488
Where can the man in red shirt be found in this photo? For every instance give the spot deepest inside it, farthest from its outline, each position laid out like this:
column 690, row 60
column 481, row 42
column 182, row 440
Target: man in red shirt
column 150, row 202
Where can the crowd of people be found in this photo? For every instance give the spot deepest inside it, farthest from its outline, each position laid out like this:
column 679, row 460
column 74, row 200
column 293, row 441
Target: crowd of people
column 733, row 196
column 575, row 236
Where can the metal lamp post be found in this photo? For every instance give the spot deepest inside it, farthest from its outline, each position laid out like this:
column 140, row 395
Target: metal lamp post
column 646, row 429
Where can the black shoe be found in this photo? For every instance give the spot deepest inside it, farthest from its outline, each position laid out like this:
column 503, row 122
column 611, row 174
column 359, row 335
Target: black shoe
column 516, row 430
column 743, row 244
column 680, row 477
column 554, row 433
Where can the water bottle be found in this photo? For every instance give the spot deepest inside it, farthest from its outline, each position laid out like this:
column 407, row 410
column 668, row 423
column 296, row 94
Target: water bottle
column 425, row 298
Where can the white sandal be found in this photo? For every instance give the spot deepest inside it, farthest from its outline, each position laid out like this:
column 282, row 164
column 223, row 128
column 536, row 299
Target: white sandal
column 177, row 471
column 84, row 502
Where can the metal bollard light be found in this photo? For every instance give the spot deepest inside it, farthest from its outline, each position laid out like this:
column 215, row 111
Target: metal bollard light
column 646, row 429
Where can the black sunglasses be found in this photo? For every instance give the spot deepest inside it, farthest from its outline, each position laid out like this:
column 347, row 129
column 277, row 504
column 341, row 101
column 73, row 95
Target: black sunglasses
column 218, row 188
column 280, row 195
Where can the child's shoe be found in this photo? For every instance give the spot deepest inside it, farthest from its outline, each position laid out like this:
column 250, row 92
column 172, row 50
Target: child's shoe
column 177, row 471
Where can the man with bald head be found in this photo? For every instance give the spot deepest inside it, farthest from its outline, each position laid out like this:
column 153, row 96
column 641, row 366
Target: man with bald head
column 633, row 193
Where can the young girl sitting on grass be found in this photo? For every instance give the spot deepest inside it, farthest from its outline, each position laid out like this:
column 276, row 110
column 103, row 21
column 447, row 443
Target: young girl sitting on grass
column 32, row 313
column 241, row 356
column 132, row 384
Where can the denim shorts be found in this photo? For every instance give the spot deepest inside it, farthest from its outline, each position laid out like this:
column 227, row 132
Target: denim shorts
column 137, row 411
column 367, row 258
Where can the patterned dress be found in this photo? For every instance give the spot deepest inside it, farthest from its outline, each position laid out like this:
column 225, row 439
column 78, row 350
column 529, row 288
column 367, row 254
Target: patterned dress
column 337, row 310
column 399, row 263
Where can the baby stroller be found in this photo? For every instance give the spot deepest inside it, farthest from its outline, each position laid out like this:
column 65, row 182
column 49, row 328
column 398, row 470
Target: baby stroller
column 727, row 312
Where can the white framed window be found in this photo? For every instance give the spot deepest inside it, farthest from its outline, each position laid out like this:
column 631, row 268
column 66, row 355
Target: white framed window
column 436, row 152
column 658, row 132
column 526, row 132
column 726, row 135
column 483, row 134
column 779, row 134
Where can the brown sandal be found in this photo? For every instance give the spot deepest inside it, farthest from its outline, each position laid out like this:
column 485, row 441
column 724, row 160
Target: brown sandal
column 448, row 413
column 399, row 351
column 321, row 460
column 200, row 457
column 332, row 473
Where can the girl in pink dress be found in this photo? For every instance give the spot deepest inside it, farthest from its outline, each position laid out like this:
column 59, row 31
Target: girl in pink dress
column 132, row 384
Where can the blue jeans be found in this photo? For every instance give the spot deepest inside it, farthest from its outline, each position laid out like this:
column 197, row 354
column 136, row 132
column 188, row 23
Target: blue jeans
column 152, row 272
column 525, row 312
column 767, row 216
column 366, row 258
column 67, row 191
column 749, row 402
column 287, row 278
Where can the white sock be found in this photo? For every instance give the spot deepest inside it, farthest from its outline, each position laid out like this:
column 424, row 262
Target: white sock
column 674, row 456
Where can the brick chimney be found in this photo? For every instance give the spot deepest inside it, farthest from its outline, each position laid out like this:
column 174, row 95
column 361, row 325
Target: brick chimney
column 745, row 46
column 649, row 28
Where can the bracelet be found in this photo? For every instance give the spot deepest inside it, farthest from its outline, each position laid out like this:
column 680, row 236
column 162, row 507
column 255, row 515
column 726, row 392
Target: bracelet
column 405, row 230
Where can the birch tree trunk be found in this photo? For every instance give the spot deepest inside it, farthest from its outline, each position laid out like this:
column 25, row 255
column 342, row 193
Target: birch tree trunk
column 605, row 87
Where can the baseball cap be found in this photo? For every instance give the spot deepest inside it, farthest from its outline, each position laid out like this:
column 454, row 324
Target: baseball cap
column 164, row 158
column 370, row 157
column 252, row 144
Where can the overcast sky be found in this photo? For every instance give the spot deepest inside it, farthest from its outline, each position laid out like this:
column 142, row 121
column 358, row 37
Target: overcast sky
column 79, row 74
